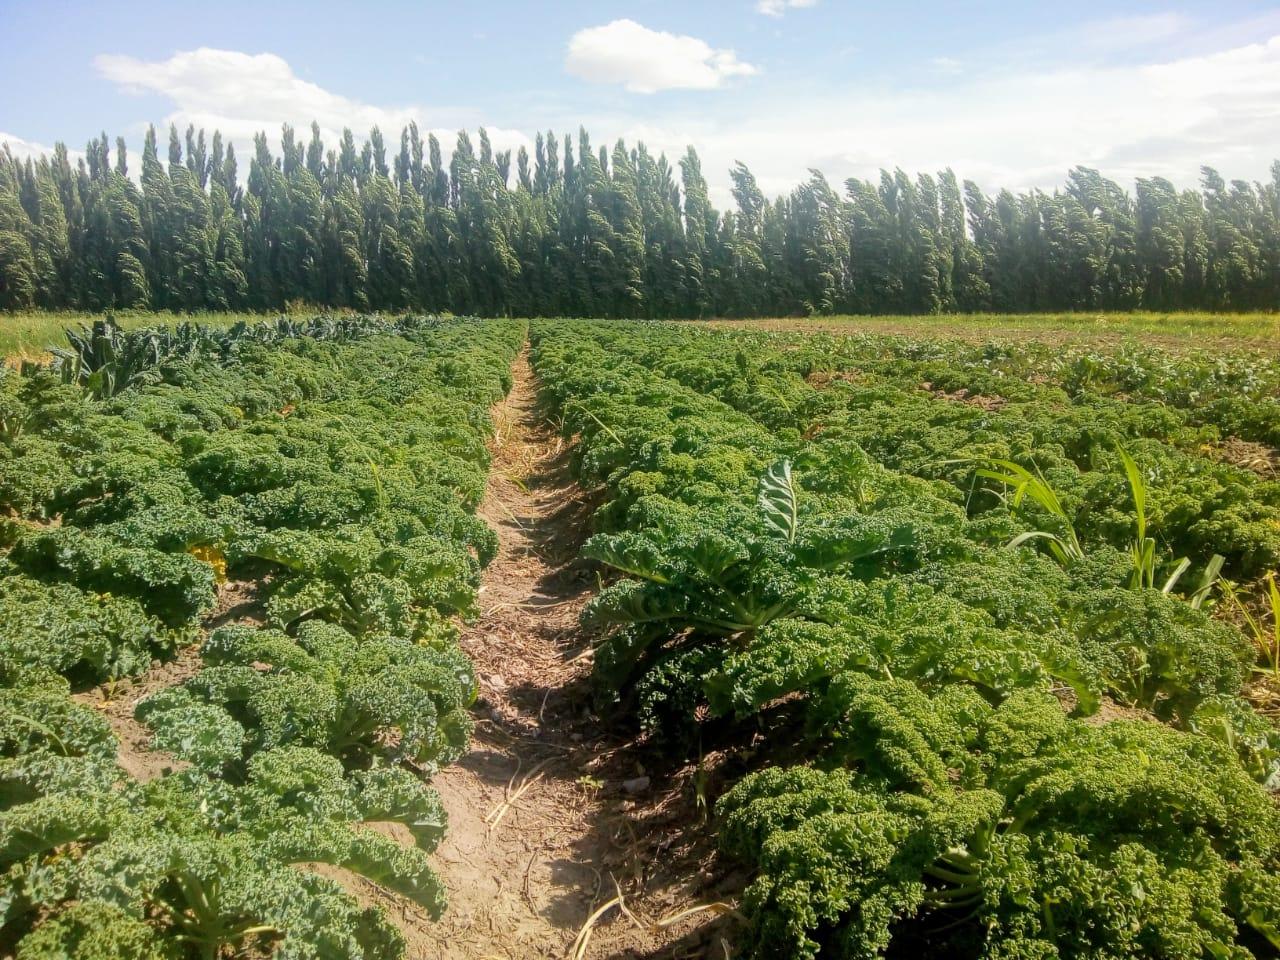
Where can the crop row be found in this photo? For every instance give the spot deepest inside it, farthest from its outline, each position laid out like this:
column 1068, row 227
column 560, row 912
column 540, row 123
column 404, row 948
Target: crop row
column 999, row 754
column 1234, row 393
column 106, row 359
column 330, row 478
column 934, row 420
column 1231, row 393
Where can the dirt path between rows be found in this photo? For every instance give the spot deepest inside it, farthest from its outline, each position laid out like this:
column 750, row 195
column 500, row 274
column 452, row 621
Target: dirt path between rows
column 549, row 816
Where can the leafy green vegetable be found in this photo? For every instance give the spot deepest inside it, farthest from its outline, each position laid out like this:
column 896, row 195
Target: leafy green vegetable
column 777, row 500
column 236, row 456
column 355, row 698
column 1040, row 835
column 805, row 549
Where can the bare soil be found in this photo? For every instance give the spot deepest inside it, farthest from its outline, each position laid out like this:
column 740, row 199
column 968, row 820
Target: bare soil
column 117, row 701
column 981, row 401
column 1258, row 457
column 238, row 602
column 542, row 831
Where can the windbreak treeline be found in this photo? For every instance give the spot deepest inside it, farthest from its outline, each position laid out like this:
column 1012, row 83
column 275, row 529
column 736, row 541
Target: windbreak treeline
column 576, row 231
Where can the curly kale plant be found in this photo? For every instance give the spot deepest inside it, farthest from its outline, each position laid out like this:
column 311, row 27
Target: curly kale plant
column 352, row 577
column 173, row 587
column 729, row 572
column 355, row 698
column 186, row 866
column 946, row 825
column 86, row 637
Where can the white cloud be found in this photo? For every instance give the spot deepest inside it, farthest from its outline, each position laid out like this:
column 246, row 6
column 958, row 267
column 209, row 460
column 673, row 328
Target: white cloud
column 22, row 149
column 242, row 94
column 1016, row 129
column 1001, row 125
column 947, row 65
column 646, row 61
column 776, row 8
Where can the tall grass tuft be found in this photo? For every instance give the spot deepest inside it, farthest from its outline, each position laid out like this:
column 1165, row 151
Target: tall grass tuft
column 1266, row 640
column 1065, row 545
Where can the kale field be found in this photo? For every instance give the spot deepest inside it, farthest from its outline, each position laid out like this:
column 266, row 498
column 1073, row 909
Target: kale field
column 369, row 637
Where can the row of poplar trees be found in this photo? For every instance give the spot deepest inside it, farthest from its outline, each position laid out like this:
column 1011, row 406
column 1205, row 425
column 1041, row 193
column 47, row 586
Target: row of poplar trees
column 572, row 231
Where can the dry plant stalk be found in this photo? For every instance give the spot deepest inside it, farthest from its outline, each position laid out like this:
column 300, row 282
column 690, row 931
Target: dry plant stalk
column 578, row 949
column 514, row 793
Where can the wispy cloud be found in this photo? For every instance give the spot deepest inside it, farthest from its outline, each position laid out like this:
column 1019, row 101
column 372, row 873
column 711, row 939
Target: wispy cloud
column 242, row 93
column 1126, row 33
column 1020, row 128
column 776, row 8
column 629, row 54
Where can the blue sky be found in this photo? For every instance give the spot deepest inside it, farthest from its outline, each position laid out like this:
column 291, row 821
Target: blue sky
column 1010, row 94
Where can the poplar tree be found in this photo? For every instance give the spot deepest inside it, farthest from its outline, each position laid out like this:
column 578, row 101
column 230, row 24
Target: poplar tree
column 569, row 228
column 17, row 261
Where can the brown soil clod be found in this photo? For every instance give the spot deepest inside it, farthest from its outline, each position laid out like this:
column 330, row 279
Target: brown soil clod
column 1247, row 455
column 981, row 401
